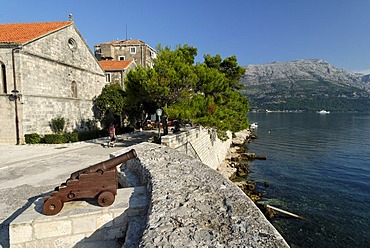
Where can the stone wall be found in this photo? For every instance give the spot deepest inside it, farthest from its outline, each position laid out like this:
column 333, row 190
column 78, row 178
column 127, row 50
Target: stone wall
column 46, row 70
column 193, row 205
column 7, row 120
column 201, row 143
column 7, row 109
column 80, row 223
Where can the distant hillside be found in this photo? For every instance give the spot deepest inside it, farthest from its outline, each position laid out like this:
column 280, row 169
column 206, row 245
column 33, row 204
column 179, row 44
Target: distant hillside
column 305, row 85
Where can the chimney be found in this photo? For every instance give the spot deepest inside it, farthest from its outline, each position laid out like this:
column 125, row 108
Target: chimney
column 70, row 17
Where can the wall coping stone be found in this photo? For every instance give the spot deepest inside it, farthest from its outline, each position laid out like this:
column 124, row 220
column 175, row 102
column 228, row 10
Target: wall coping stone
column 194, row 205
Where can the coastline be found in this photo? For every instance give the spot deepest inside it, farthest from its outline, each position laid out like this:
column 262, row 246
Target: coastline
column 234, row 167
column 229, row 167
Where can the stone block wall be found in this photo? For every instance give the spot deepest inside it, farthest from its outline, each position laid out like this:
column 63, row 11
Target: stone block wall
column 200, row 143
column 47, row 70
column 7, row 120
column 7, row 107
column 79, row 224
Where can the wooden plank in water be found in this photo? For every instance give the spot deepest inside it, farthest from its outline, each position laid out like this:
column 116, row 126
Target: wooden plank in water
column 285, row 212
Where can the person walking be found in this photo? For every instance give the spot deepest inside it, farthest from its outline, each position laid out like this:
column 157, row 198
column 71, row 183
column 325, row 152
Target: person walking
column 112, row 135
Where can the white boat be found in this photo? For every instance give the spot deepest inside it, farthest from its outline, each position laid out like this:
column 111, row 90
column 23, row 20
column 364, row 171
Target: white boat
column 323, row 112
column 254, row 125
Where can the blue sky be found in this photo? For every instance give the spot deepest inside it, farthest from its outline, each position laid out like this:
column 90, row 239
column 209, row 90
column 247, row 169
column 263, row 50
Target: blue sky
column 256, row 31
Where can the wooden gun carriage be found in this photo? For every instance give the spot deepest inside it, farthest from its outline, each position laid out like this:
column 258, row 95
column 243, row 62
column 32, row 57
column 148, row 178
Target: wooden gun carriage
column 99, row 180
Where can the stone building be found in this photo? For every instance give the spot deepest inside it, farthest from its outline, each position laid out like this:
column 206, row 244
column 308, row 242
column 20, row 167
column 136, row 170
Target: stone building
column 115, row 71
column 46, row 71
column 136, row 50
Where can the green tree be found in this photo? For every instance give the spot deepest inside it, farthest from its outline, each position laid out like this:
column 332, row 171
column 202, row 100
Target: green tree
column 205, row 92
column 229, row 67
column 110, row 101
column 171, row 78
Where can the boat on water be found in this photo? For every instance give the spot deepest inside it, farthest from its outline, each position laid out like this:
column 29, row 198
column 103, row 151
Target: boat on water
column 323, row 112
column 254, row 125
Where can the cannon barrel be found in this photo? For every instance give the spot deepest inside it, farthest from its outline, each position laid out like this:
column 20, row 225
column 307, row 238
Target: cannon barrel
column 106, row 165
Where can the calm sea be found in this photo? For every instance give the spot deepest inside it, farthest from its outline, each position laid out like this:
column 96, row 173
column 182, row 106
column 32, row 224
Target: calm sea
column 318, row 166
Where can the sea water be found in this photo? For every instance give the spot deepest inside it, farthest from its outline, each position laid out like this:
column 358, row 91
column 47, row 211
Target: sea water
column 318, row 166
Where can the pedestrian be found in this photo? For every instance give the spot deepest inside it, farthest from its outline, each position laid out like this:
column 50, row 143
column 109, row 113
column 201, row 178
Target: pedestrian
column 112, row 135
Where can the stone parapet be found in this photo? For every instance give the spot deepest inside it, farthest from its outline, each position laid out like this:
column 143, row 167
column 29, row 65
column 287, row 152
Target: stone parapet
column 201, row 143
column 193, row 205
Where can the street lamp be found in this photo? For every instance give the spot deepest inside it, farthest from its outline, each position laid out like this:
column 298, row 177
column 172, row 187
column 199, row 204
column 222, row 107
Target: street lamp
column 159, row 113
column 15, row 96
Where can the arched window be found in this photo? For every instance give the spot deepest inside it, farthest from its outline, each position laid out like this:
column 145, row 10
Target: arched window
column 3, row 78
column 74, row 89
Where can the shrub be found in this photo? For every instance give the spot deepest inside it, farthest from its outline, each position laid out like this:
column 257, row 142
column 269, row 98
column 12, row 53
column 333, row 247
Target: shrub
column 72, row 137
column 55, row 138
column 57, row 124
column 88, row 135
column 32, row 138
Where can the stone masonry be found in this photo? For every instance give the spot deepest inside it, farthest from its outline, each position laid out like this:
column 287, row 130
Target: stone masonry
column 54, row 78
column 193, row 205
column 80, row 224
column 201, row 143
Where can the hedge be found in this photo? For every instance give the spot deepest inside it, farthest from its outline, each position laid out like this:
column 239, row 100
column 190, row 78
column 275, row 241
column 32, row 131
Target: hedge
column 88, row 135
column 35, row 138
column 32, row 138
column 55, row 138
column 72, row 137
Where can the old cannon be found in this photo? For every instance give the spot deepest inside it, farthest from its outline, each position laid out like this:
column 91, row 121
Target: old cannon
column 99, row 180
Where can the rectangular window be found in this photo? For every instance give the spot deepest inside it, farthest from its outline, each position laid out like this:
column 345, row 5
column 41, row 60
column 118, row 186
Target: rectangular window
column 133, row 50
column 107, row 78
column 98, row 50
column 153, row 55
column 121, row 57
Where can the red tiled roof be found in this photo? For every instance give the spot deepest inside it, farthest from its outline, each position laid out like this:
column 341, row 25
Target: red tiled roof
column 24, row 32
column 110, row 65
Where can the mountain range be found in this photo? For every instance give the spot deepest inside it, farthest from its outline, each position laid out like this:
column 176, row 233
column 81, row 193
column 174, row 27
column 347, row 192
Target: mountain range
column 307, row 85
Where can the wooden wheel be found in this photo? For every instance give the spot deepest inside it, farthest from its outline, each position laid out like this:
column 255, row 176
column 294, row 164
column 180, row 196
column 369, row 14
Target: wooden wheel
column 52, row 206
column 106, row 198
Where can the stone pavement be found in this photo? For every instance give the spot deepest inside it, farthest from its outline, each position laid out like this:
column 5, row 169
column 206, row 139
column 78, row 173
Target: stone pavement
column 30, row 171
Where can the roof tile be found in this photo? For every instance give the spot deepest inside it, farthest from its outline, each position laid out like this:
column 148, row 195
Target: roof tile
column 24, row 32
column 109, row 65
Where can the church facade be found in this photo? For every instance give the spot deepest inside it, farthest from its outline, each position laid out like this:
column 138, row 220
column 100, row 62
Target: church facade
column 46, row 71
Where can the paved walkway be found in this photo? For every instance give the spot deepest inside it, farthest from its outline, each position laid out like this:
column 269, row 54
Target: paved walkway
column 11, row 154
column 29, row 171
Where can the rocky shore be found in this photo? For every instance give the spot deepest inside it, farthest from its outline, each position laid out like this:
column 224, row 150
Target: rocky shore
column 235, row 166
